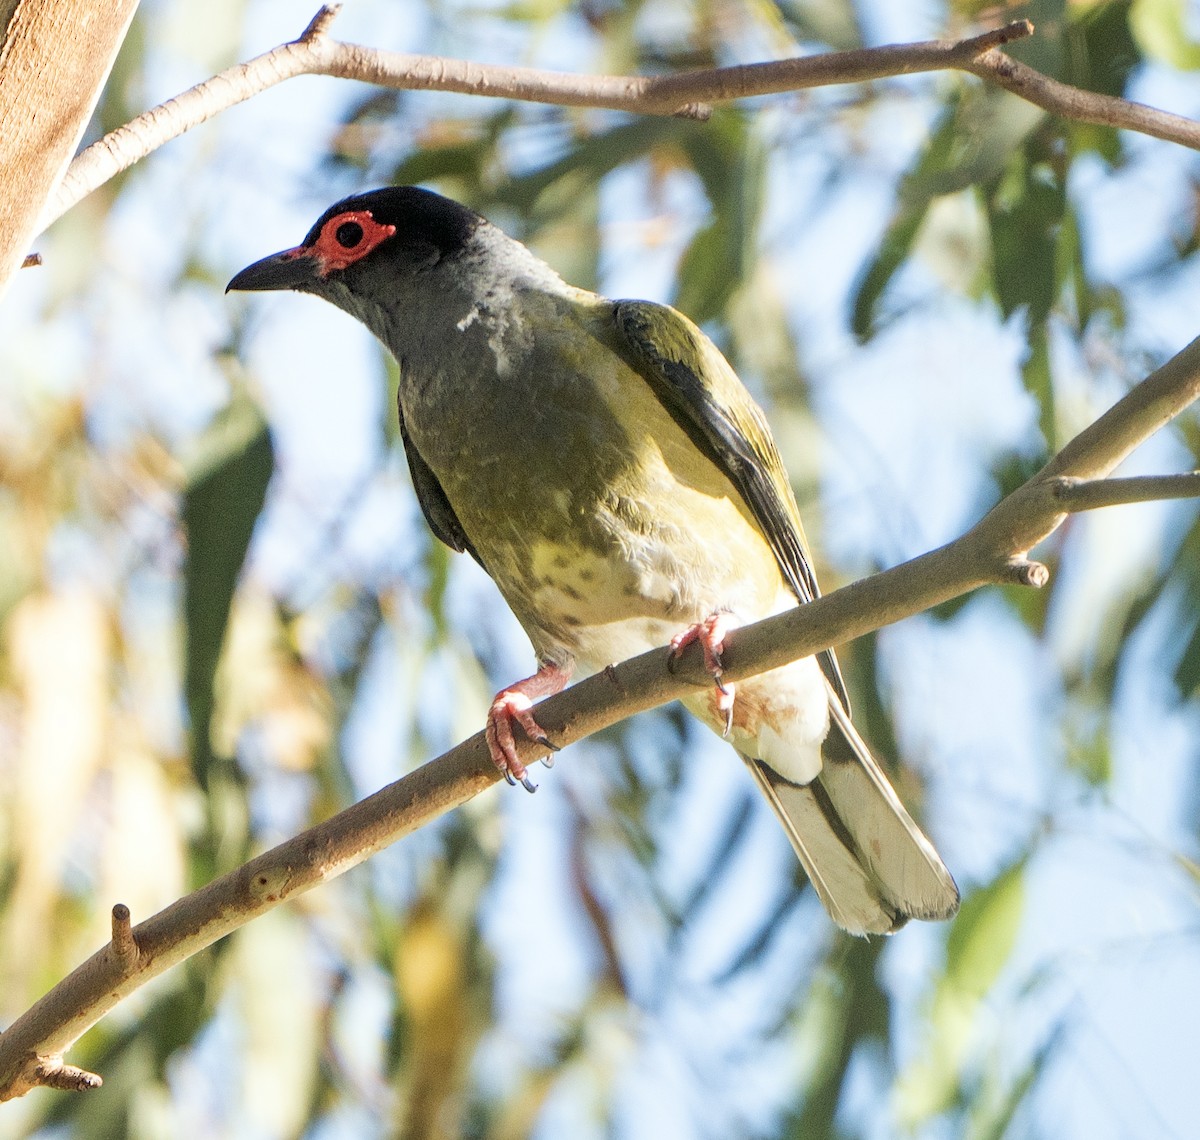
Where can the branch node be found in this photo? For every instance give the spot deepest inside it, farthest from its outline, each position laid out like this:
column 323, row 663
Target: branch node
column 51, row 1073
column 996, row 38
column 1017, row 30
column 124, row 944
column 1025, row 572
column 1062, row 487
column 320, row 23
column 610, row 671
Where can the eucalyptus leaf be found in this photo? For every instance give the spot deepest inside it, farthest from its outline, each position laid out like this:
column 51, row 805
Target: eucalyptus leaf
column 227, row 479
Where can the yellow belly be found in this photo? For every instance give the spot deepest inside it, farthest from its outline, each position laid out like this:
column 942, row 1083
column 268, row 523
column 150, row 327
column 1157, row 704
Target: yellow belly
column 679, row 544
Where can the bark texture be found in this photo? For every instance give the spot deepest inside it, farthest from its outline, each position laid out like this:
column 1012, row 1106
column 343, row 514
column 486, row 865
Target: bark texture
column 54, row 59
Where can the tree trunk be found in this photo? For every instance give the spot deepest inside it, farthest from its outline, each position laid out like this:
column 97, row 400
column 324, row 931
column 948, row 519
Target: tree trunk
column 54, row 59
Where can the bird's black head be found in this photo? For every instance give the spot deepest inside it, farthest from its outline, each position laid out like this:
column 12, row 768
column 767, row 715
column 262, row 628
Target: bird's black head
column 398, row 224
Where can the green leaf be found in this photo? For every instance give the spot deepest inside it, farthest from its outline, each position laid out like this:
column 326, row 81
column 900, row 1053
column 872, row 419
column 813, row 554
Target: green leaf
column 845, row 1008
column 226, row 485
column 454, row 161
column 992, row 1113
column 980, row 944
column 1047, row 50
column 731, row 163
column 1087, row 728
column 1091, row 300
column 1186, row 566
column 1187, row 672
column 984, row 933
column 593, row 158
column 1026, row 210
column 1101, row 48
column 917, row 189
column 568, row 230
column 834, row 23
column 1039, row 382
column 1160, row 29
column 970, row 146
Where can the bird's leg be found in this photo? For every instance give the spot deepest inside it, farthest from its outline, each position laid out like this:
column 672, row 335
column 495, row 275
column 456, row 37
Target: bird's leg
column 514, row 704
column 711, row 635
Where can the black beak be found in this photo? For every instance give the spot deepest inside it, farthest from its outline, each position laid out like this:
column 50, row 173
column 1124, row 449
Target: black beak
column 291, row 269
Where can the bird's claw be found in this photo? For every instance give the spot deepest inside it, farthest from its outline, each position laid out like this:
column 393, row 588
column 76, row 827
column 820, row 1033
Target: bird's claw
column 710, row 633
column 728, row 713
column 524, row 781
column 512, row 706
column 547, row 743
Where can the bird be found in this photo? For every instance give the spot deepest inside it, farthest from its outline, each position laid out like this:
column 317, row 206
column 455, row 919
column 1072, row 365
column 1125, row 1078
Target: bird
column 604, row 464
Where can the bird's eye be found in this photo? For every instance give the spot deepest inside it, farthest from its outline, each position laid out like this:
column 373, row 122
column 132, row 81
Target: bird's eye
column 346, row 238
column 349, row 234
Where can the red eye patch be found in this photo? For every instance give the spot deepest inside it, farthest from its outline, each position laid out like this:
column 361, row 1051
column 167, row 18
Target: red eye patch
column 347, row 238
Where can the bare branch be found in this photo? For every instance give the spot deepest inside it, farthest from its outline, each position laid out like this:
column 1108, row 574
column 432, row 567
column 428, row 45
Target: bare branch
column 1083, row 106
column 665, row 94
column 1089, row 494
column 994, row 551
column 52, row 1073
column 1133, row 419
column 689, row 94
column 319, row 25
column 1024, row 572
column 69, row 1078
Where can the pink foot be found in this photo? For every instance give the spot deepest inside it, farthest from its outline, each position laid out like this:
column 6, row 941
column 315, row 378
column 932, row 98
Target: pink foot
column 514, row 705
column 711, row 635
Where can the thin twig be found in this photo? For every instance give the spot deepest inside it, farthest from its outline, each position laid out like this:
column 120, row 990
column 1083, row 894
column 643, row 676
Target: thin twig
column 995, row 550
column 1090, row 494
column 316, row 53
column 319, row 25
column 124, row 944
column 1083, row 106
column 689, row 94
column 53, row 1074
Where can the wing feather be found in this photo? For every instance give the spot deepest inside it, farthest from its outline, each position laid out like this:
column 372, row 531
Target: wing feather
column 705, row 397
column 436, row 508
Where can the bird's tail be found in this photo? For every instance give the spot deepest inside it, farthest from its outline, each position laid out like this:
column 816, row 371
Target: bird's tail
column 870, row 864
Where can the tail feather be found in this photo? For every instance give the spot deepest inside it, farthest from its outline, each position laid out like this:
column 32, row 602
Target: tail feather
column 870, row 864
column 833, row 867
column 894, row 849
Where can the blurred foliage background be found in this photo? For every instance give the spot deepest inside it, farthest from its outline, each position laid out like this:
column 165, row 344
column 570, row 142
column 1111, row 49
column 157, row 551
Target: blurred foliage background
column 222, row 617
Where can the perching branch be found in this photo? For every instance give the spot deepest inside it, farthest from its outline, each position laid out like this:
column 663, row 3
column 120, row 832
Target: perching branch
column 994, row 551
column 689, row 94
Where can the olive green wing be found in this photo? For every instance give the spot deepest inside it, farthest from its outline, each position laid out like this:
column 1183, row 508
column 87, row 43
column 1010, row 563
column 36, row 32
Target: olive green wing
column 704, row 396
column 436, row 508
